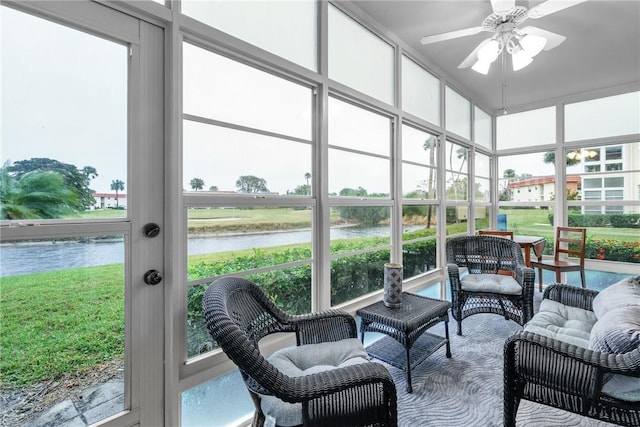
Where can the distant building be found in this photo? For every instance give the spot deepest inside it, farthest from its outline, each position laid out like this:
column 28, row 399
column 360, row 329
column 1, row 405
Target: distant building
column 608, row 176
column 108, row 200
column 541, row 189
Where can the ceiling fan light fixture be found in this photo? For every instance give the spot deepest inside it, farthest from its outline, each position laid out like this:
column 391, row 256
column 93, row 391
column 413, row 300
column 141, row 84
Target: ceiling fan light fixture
column 532, row 45
column 520, row 59
column 489, row 52
column 481, row 67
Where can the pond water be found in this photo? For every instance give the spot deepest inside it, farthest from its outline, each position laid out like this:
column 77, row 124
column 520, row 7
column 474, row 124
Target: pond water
column 34, row 257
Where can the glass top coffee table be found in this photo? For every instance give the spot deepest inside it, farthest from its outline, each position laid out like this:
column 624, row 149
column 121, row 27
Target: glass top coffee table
column 407, row 325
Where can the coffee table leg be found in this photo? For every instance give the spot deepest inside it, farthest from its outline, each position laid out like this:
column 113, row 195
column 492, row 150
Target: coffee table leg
column 409, row 387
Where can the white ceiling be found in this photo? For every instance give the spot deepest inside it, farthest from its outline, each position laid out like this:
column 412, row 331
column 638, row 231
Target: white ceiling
column 602, row 49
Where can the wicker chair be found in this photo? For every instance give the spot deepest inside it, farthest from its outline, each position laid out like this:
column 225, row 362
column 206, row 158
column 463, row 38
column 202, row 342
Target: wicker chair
column 238, row 315
column 498, row 280
column 562, row 375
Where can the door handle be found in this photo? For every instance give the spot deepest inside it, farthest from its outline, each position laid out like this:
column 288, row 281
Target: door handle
column 152, row 277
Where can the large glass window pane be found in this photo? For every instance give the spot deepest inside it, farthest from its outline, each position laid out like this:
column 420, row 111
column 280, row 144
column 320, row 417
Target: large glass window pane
column 64, row 121
column 528, row 178
column 419, row 146
column 611, row 176
column 482, row 217
column 419, row 227
column 233, row 404
column 482, row 184
column 358, row 229
column 526, row 129
column 419, row 155
column 237, row 241
column 355, row 228
column 288, row 288
column 285, row 28
column 531, row 221
column 457, row 113
column 357, row 275
column 354, row 51
column 222, row 89
column 231, row 240
column 457, row 220
column 603, row 117
column 483, row 128
column 618, row 241
column 358, row 129
column 358, row 139
column 457, row 172
column 62, row 311
column 420, row 91
column 372, row 179
column 228, row 160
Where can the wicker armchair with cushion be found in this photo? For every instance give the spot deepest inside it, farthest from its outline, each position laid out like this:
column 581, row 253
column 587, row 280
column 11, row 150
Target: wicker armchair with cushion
column 326, row 379
column 579, row 353
column 498, row 281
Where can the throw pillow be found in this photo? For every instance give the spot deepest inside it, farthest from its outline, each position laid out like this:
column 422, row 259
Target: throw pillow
column 624, row 293
column 618, row 331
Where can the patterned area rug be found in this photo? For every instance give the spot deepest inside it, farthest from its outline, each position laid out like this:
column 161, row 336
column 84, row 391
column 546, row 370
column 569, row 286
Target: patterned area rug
column 466, row 390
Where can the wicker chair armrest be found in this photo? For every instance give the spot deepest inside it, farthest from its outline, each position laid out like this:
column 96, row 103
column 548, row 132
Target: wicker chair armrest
column 525, row 276
column 542, row 360
column 324, row 326
column 570, row 295
column 453, row 269
column 454, row 276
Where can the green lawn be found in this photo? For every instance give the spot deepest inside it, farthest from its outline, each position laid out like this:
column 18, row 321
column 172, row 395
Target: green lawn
column 60, row 322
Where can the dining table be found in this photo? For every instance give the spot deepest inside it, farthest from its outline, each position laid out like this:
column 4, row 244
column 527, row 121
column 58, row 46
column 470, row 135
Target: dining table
column 530, row 242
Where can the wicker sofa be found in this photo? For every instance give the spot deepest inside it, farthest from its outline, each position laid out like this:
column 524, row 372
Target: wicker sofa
column 579, row 353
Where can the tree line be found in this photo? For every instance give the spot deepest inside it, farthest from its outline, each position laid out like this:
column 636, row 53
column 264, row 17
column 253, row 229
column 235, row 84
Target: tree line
column 43, row 188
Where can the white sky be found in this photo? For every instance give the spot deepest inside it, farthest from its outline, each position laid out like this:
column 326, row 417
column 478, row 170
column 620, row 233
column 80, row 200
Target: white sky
column 64, row 97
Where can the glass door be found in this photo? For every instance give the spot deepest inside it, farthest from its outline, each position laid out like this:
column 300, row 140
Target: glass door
column 81, row 290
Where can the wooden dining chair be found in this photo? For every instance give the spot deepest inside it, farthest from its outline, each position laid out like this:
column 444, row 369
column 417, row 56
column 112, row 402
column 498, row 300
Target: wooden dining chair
column 506, row 234
column 569, row 242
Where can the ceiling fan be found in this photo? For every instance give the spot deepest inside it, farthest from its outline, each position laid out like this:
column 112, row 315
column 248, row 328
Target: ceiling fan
column 522, row 43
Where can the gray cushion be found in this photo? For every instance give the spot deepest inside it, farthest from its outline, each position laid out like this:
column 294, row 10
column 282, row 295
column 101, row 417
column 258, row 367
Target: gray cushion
column 624, row 293
column 618, row 331
column 305, row 360
column 494, row 283
column 562, row 322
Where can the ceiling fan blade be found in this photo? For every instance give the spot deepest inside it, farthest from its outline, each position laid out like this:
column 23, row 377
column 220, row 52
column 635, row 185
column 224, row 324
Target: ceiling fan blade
column 551, row 6
column 473, row 56
column 502, row 5
column 553, row 39
column 450, row 35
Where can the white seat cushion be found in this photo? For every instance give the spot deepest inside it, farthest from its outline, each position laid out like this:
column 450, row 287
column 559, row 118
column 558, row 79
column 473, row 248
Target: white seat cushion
column 564, row 323
column 305, row 360
column 493, row 283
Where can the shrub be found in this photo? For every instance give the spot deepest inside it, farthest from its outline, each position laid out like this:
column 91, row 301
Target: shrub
column 601, row 220
column 625, row 220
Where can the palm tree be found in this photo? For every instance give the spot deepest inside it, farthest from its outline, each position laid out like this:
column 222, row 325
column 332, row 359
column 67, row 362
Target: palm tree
column 307, row 176
column 117, row 185
column 461, row 154
column 430, row 144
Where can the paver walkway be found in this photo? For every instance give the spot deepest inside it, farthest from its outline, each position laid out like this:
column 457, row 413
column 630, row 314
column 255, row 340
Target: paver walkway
column 84, row 407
